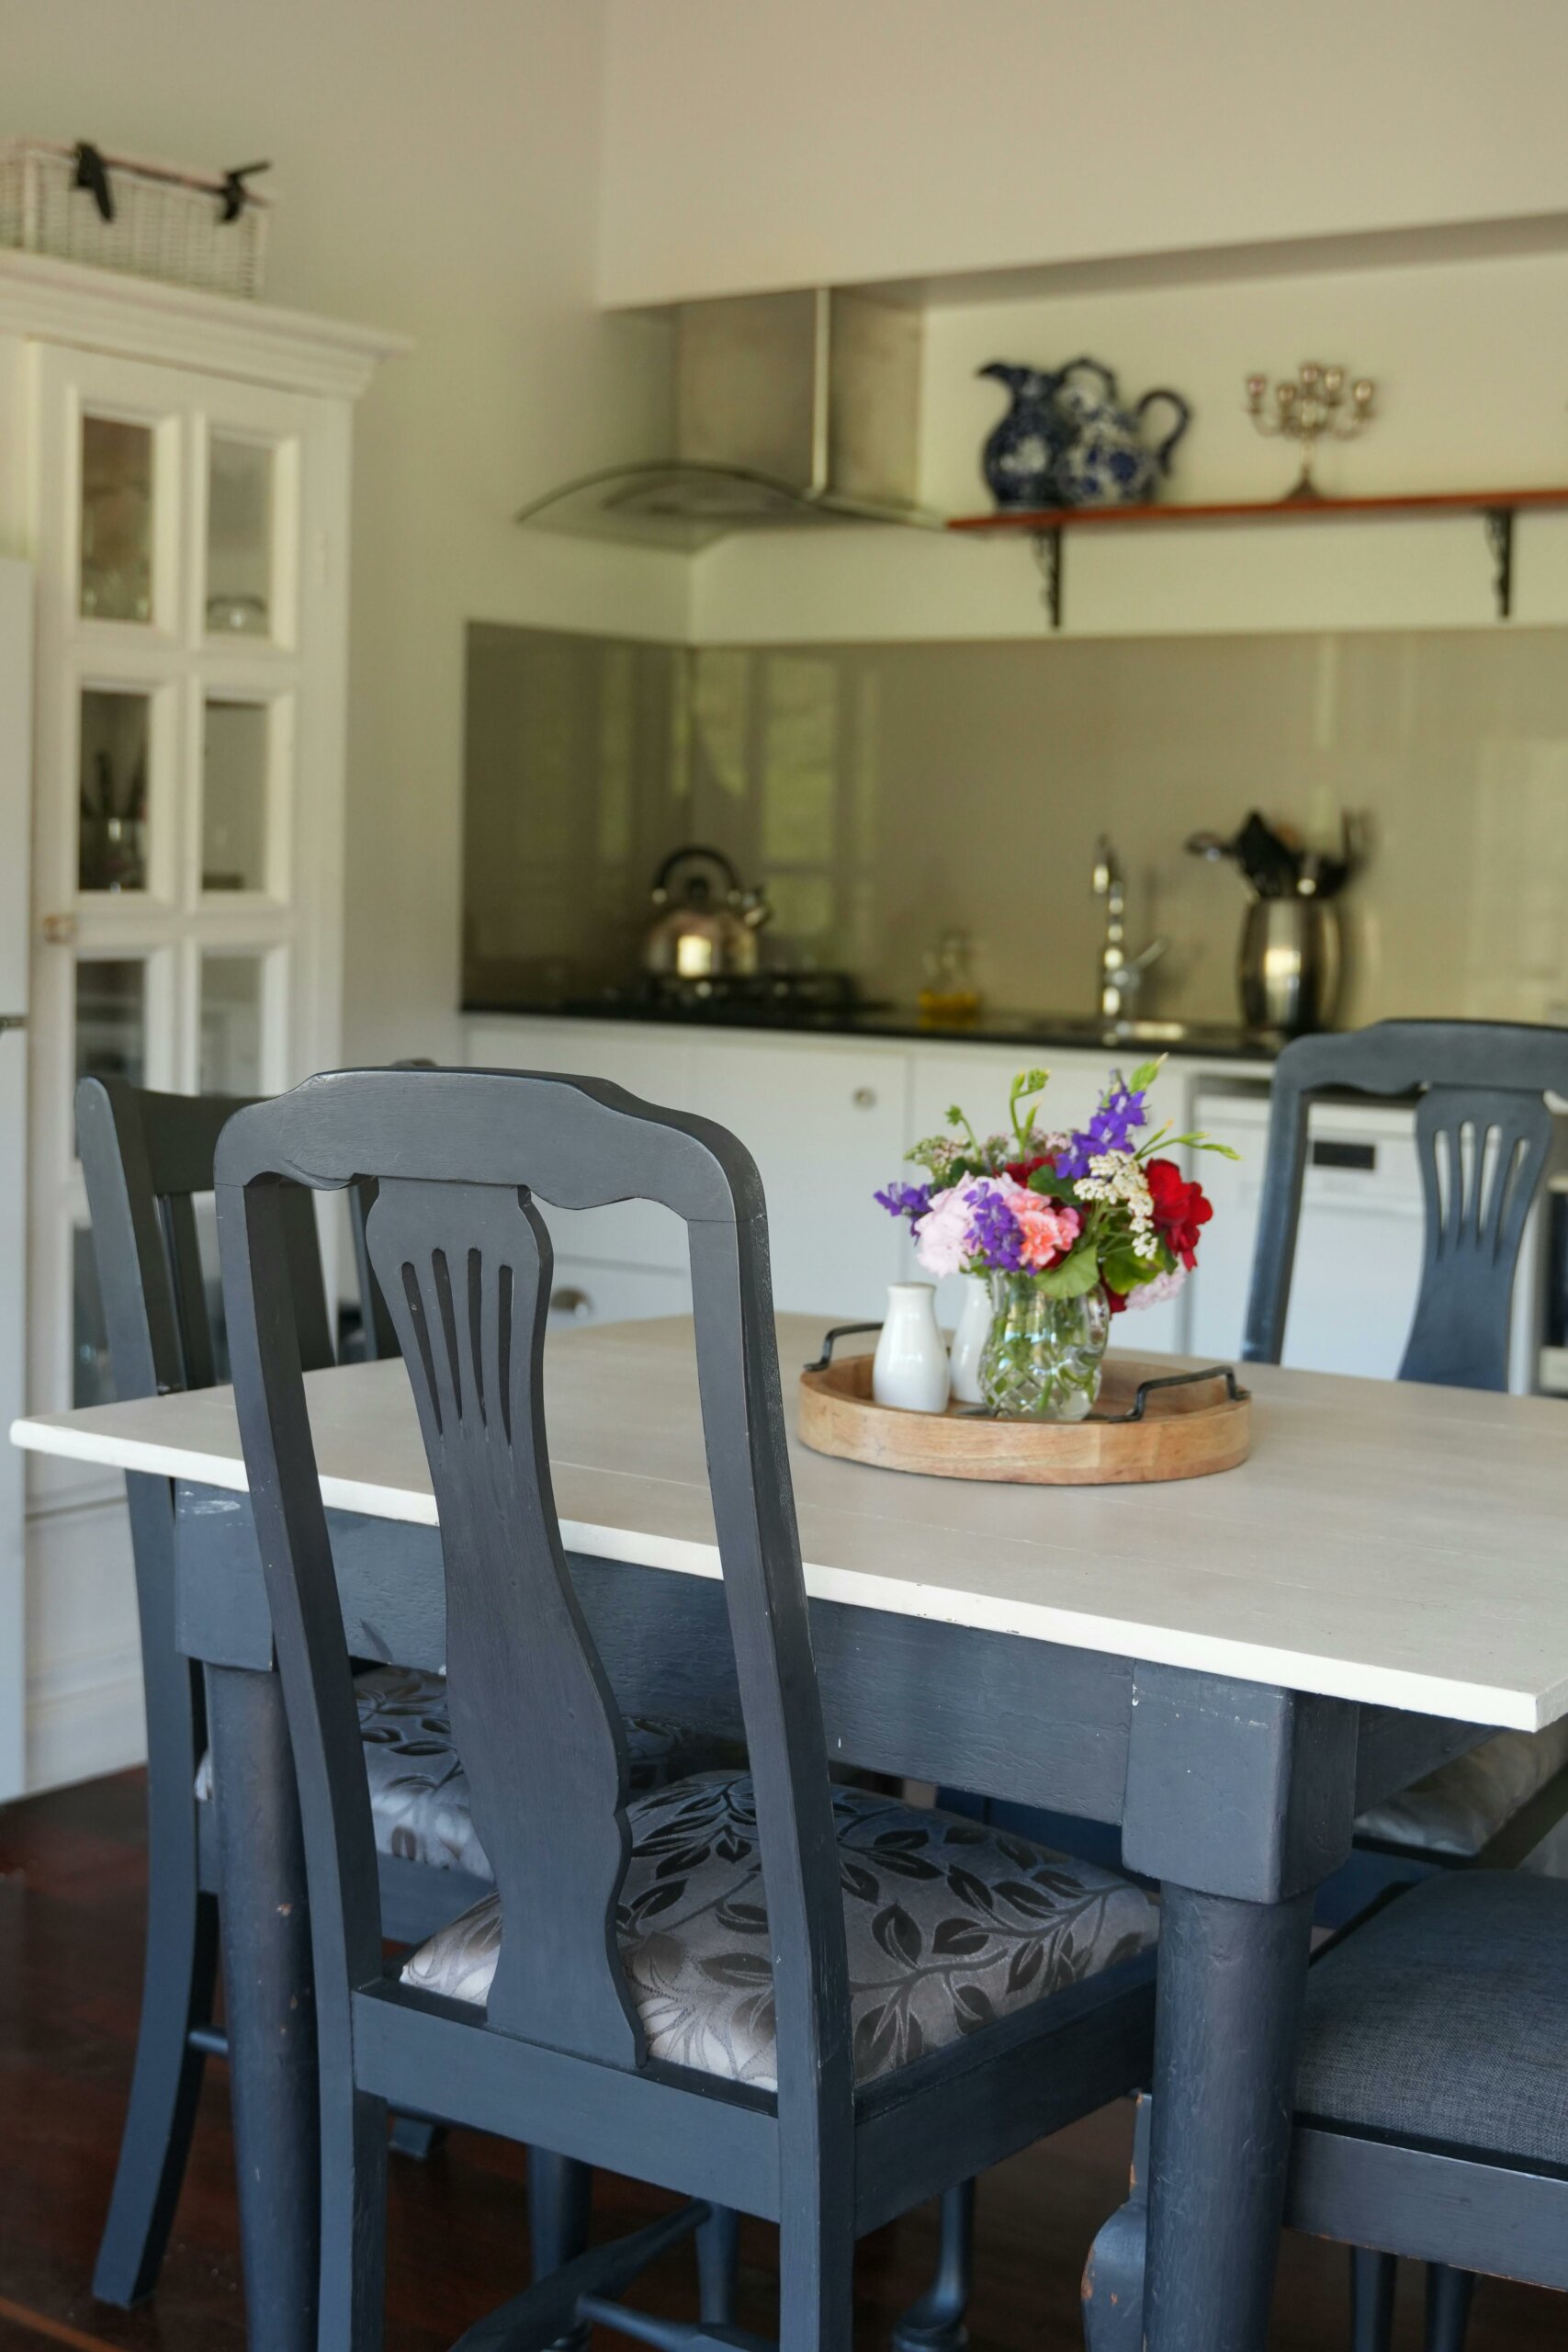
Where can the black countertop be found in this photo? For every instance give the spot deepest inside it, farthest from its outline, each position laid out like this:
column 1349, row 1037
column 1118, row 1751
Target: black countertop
column 1210, row 1040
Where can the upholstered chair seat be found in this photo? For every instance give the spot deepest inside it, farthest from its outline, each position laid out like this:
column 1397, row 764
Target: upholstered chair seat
column 419, row 1791
column 950, row 1926
column 1444, row 2020
column 1462, row 1806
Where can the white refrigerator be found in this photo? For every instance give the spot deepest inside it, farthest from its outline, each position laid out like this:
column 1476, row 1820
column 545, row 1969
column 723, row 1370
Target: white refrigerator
column 15, row 825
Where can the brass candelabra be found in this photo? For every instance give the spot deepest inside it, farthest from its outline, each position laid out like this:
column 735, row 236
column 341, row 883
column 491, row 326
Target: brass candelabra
column 1306, row 409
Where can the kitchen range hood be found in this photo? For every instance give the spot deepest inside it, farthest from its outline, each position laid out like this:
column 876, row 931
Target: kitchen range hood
column 801, row 407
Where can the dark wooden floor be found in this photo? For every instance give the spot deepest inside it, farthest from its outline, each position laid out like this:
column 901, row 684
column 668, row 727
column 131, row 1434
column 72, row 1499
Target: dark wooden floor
column 71, row 1897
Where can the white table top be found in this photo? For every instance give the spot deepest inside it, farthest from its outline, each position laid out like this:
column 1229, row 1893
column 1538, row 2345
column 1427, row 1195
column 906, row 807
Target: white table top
column 1399, row 1545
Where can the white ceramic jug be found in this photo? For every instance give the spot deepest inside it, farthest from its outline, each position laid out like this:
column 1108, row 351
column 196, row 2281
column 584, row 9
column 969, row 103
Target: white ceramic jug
column 969, row 1340
column 909, row 1369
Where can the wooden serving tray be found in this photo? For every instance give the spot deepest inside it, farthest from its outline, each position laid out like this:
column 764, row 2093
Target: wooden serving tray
column 1186, row 1431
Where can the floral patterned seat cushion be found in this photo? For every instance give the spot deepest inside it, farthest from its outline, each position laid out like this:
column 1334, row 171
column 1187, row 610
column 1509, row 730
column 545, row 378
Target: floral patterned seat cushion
column 1459, row 1808
column 951, row 1928
column 418, row 1792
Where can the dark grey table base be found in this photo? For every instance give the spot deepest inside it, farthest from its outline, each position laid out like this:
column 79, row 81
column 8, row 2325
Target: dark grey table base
column 1237, row 1797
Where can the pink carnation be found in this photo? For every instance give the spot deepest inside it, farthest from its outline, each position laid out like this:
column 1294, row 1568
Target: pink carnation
column 1048, row 1229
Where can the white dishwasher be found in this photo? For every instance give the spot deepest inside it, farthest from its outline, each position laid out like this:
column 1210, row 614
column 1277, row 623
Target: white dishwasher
column 1358, row 1252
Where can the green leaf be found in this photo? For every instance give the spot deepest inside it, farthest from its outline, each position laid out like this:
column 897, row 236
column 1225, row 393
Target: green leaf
column 1077, row 1275
column 1029, row 1082
column 1054, row 1187
column 1124, row 1269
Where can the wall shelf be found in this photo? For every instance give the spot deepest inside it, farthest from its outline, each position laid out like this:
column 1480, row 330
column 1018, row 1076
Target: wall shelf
column 1047, row 527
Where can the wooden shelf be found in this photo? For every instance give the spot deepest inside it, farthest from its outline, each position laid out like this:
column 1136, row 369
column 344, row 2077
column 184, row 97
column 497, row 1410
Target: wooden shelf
column 1035, row 519
column 1046, row 525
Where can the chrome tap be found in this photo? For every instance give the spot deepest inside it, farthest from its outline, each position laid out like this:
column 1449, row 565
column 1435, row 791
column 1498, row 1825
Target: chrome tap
column 1119, row 975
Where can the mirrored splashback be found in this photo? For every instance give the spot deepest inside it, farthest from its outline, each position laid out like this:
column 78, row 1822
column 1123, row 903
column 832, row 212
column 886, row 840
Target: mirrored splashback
column 886, row 794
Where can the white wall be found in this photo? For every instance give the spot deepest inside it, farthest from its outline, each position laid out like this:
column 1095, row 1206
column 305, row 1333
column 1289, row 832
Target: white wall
column 812, row 141
column 436, row 171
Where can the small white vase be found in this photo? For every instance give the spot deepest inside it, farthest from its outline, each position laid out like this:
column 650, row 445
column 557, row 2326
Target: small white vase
column 969, row 1340
column 909, row 1369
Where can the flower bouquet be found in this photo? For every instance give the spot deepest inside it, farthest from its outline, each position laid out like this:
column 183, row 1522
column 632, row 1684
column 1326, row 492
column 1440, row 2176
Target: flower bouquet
column 1070, row 1228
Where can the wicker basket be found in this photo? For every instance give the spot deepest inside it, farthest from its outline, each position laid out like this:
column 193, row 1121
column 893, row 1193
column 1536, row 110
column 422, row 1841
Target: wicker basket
column 167, row 223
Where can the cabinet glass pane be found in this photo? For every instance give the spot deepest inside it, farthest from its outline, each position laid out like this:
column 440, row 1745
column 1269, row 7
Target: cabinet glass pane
column 111, row 1018
column 91, row 1380
column 116, row 519
column 115, row 742
column 233, row 797
column 231, row 1025
column 239, row 538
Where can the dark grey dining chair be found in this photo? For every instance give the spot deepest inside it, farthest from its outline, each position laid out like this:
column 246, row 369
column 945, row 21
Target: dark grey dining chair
column 1484, row 1138
column 1431, row 2109
column 1484, row 1134
column 813, row 2004
column 147, row 1160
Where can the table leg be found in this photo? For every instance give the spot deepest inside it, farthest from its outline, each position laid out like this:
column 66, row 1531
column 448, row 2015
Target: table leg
column 270, row 2006
column 1232, row 1976
column 1240, row 1801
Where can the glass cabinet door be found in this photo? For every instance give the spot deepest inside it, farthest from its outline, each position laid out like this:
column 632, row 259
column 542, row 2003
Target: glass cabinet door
column 239, row 599
column 178, row 862
column 116, row 530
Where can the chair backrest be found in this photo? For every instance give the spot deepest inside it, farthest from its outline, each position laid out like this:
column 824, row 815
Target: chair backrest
column 147, row 1159
column 1482, row 1135
column 464, row 1260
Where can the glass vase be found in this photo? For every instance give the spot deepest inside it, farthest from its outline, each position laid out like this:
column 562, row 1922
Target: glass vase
column 1043, row 1357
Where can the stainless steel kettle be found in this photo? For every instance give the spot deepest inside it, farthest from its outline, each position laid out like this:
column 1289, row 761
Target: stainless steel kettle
column 699, row 935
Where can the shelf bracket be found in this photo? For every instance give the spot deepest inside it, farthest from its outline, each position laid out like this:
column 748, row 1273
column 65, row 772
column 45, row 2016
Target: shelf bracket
column 1498, row 523
column 1047, row 545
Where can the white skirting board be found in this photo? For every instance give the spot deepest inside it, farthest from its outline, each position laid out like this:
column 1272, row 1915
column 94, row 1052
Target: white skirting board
column 84, row 1707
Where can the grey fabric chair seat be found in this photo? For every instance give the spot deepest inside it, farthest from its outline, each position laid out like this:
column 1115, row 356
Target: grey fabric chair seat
column 952, row 1927
column 419, row 1791
column 1444, row 2020
column 1462, row 1806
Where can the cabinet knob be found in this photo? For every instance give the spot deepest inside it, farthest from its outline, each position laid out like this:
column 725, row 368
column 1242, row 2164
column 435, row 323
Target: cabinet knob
column 58, row 931
column 572, row 1303
column 865, row 1098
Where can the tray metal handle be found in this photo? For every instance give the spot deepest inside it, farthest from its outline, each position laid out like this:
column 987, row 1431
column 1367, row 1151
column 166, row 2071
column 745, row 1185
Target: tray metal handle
column 839, row 1331
column 1235, row 1395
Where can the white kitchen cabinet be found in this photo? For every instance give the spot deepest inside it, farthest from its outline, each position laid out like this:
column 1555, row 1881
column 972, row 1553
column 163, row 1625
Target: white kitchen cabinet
column 826, row 1123
column 175, row 467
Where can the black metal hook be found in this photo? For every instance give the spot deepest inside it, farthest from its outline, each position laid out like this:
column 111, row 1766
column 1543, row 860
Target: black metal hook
column 234, row 195
column 93, row 173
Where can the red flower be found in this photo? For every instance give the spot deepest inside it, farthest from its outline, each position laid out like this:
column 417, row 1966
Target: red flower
column 1020, row 1170
column 1115, row 1300
column 1181, row 1208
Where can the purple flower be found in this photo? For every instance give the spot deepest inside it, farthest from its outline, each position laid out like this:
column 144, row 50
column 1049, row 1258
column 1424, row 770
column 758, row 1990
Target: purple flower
column 1111, row 1129
column 905, row 1200
column 995, row 1234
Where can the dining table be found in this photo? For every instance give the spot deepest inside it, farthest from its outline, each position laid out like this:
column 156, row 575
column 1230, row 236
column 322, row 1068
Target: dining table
column 1229, row 1667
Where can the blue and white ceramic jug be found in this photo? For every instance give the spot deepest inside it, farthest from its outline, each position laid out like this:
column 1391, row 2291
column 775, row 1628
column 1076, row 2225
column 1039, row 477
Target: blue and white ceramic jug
column 1106, row 461
column 1022, row 455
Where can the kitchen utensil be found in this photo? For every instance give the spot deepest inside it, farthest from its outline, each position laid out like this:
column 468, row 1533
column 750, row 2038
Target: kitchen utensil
column 698, row 935
column 1290, row 964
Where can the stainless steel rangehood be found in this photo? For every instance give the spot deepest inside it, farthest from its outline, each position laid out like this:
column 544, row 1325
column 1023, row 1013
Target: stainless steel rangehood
column 789, row 407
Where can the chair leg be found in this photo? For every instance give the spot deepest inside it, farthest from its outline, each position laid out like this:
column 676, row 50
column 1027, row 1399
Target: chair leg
column 816, row 2265
column 177, row 1998
column 1112, row 2292
column 1372, row 2279
column 560, row 2192
column 718, row 2267
column 936, row 2323
column 1449, row 2294
column 351, row 2311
